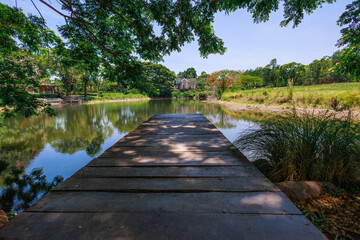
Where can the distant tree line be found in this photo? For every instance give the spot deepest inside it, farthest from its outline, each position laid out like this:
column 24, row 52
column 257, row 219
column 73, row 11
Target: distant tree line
column 324, row 70
column 319, row 71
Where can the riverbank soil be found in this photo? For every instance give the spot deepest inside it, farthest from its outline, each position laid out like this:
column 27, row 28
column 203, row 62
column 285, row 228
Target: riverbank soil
column 335, row 212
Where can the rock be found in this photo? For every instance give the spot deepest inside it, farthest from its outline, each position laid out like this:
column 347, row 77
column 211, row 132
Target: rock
column 3, row 218
column 302, row 190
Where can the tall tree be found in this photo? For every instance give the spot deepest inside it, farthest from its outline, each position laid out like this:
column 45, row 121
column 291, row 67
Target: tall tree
column 188, row 73
column 293, row 72
column 125, row 30
column 318, row 71
column 271, row 73
column 88, row 60
column 350, row 57
column 201, row 81
column 160, row 78
column 66, row 67
column 21, row 36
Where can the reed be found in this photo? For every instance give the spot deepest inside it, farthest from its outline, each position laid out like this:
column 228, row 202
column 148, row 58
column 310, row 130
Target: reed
column 306, row 147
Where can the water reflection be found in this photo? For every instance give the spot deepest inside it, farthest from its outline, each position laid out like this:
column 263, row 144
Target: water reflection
column 63, row 144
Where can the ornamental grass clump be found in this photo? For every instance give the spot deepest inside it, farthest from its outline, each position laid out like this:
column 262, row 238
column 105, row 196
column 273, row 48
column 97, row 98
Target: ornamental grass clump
column 307, row 147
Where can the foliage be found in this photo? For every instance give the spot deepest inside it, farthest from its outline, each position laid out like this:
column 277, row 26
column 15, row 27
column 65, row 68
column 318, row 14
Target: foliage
column 294, row 72
column 201, row 81
column 191, row 94
column 350, row 21
column 271, row 73
column 117, row 96
column 188, row 73
column 65, row 67
column 47, row 95
column 307, row 148
column 221, row 81
column 350, row 57
column 17, row 74
column 350, row 61
column 131, row 25
column 19, row 37
column 247, row 82
column 159, row 78
column 319, row 71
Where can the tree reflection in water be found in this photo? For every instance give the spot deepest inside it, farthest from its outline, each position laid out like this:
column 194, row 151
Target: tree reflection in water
column 88, row 129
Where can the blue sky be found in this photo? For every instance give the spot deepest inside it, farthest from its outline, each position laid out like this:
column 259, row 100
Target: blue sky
column 249, row 45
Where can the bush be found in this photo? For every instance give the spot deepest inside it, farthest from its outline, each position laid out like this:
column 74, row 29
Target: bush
column 134, row 91
column 100, row 94
column 306, row 148
column 47, row 95
column 191, row 94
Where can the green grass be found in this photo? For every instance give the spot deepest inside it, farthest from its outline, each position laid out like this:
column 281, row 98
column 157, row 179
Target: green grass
column 299, row 148
column 329, row 96
column 117, row 96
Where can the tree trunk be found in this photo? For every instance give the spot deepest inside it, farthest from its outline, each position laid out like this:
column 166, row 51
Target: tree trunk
column 85, row 85
column 68, row 90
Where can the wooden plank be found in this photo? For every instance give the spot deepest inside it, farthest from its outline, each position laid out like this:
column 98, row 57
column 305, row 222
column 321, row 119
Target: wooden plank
column 160, row 226
column 213, row 202
column 163, row 162
column 174, row 150
column 182, row 124
column 170, row 172
column 165, row 140
column 180, row 138
column 238, row 184
column 188, row 126
column 175, row 131
column 191, row 145
column 180, row 159
column 167, row 155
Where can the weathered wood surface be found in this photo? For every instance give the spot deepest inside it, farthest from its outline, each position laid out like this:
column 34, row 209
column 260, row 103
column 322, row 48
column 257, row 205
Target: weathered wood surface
column 174, row 177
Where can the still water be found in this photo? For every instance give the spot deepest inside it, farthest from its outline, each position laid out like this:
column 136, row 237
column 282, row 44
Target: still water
column 63, row 144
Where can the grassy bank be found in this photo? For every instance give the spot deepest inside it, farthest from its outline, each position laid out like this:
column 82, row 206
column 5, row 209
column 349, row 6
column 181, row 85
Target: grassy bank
column 328, row 96
column 117, row 96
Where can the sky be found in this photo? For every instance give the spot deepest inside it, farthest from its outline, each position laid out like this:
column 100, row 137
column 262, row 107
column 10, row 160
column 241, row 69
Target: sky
column 249, row 45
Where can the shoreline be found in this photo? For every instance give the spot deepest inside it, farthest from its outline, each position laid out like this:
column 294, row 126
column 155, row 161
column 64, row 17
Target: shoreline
column 102, row 101
column 242, row 107
column 117, row 100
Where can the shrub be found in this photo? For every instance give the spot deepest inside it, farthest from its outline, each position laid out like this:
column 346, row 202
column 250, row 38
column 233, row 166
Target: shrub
column 100, row 94
column 297, row 147
column 47, row 95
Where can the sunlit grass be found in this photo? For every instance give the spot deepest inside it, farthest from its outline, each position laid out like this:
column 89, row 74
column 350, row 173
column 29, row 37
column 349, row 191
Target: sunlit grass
column 118, row 96
column 329, row 96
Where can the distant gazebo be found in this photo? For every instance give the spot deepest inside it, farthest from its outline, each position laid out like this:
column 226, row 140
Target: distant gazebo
column 46, row 88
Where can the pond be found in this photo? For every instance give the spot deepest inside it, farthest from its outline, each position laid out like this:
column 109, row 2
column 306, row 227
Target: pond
column 63, row 144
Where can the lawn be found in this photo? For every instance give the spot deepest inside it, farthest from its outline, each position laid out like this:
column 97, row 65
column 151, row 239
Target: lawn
column 330, row 96
column 118, row 96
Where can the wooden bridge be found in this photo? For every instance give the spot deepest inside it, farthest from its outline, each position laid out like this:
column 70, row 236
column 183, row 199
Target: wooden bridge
column 174, row 177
